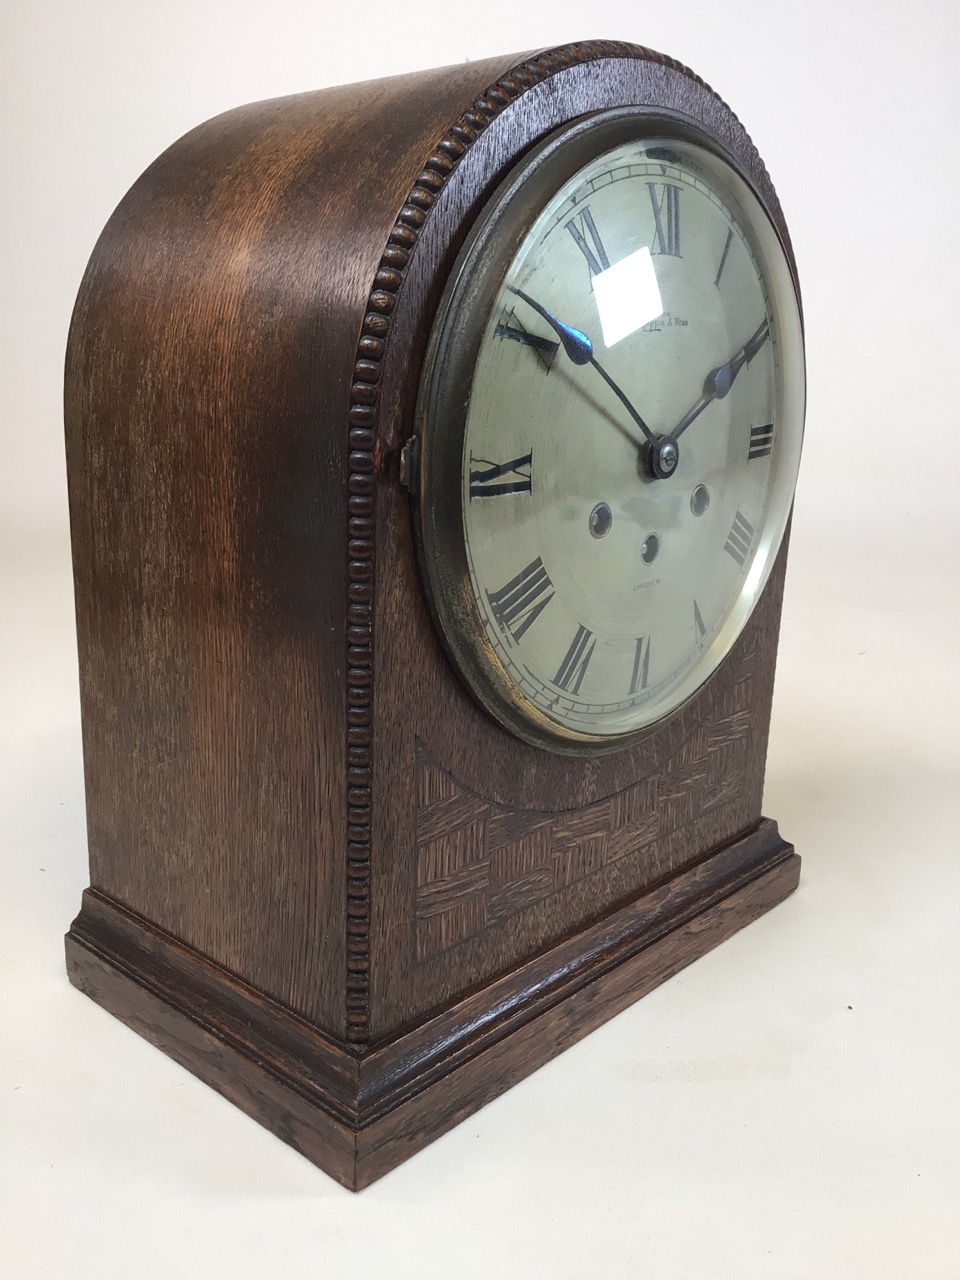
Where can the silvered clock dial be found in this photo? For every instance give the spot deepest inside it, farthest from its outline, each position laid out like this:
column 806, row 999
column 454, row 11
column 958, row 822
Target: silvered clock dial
column 609, row 430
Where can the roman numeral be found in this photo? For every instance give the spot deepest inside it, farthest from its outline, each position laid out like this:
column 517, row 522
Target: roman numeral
column 723, row 256
column 587, row 239
column 698, row 621
column 739, row 538
column 641, row 664
column 520, row 603
column 574, row 666
column 665, row 200
column 545, row 348
column 493, row 479
column 761, row 442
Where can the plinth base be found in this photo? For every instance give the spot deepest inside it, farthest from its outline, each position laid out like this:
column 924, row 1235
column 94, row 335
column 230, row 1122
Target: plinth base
column 357, row 1113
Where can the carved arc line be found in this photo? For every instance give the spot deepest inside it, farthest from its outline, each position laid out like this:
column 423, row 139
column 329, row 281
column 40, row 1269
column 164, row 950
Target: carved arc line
column 458, row 891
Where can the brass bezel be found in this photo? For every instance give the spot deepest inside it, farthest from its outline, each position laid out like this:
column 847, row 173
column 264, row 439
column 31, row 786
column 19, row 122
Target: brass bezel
column 444, row 395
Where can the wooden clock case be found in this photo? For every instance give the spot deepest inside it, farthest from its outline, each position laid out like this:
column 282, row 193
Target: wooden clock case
column 321, row 877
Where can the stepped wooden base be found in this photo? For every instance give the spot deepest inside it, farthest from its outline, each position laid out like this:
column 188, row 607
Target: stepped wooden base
column 357, row 1113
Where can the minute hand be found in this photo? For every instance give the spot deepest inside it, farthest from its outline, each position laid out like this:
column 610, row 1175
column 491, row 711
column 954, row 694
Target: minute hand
column 719, row 381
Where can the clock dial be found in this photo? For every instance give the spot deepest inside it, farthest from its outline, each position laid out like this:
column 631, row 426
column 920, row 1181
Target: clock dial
column 613, row 411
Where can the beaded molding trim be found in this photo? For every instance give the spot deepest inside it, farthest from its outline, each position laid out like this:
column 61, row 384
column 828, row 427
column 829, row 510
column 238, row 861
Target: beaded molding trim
column 363, row 417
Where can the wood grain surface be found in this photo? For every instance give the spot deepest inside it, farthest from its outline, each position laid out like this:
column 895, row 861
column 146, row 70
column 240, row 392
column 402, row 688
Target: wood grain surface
column 298, row 817
column 359, row 1115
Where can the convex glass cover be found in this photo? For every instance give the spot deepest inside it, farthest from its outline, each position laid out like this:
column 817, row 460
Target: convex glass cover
column 610, row 423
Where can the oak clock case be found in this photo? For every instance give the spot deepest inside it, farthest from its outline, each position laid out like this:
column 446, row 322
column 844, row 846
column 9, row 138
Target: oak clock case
column 340, row 868
column 539, row 498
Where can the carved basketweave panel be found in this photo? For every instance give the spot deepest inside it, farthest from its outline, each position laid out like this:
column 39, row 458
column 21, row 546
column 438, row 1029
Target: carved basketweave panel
column 479, row 863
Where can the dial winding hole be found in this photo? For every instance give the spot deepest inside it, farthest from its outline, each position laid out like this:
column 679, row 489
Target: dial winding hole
column 601, row 519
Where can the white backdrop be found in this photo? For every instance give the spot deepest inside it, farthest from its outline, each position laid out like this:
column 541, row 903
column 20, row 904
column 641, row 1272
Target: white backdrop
column 788, row 1106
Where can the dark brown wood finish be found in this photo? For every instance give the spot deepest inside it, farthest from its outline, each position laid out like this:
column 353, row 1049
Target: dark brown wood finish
column 321, row 877
column 358, row 1116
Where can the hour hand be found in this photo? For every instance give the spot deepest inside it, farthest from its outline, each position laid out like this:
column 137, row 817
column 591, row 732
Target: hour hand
column 577, row 345
column 579, row 349
column 719, row 380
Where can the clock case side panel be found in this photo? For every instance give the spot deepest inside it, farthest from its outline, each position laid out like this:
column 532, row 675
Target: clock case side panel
column 208, row 541
column 209, row 430
column 455, row 906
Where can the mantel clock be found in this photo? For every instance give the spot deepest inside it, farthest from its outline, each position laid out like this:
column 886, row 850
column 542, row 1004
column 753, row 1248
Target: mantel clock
column 431, row 448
